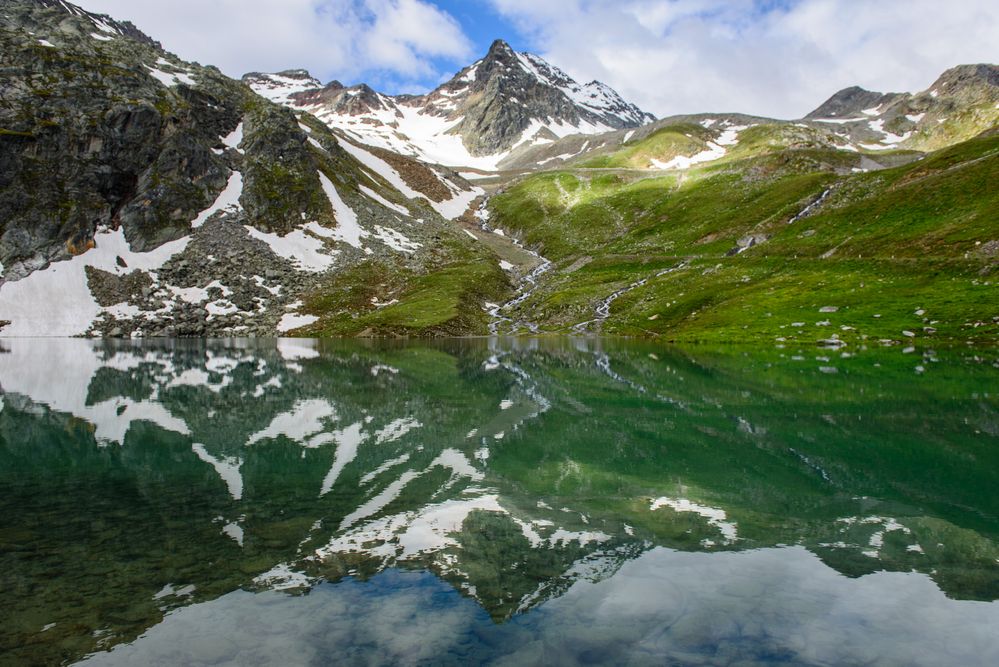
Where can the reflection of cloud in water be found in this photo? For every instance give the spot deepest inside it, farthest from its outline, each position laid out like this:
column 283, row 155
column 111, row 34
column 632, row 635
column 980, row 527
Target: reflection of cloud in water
column 663, row 607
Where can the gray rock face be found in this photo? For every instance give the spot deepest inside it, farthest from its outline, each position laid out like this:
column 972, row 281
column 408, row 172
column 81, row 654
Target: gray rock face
column 501, row 95
column 100, row 127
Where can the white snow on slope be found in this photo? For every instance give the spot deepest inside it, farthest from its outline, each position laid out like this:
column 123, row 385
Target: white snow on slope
column 228, row 200
column 371, row 194
column 839, row 121
column 380, row 167
column 412, row 131
column 408, row 130
column 456, row 207
column 594, row 96
column 347, row 228
column 716, row 150
column 57, row 301
column 301, row 247
column 449, row 209
column 279, row 89
column 291, row 321
column 396, row 240
column 234, row 138
column 889, row 137
column 170, row 79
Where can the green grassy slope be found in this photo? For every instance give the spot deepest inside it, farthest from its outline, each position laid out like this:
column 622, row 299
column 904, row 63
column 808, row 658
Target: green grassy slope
column 910, row 249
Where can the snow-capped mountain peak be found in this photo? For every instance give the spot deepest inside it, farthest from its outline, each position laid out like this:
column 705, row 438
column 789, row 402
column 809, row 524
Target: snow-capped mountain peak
column 501, row 103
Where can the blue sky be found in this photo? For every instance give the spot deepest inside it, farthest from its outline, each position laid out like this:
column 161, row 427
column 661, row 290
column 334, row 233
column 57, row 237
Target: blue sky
column 778, row 58
column 481, row 24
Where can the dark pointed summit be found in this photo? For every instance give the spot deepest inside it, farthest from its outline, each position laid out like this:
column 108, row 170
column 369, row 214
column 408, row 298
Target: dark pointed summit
column 499, row 47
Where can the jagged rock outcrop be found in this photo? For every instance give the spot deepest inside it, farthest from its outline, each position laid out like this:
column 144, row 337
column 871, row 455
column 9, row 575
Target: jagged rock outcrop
column 100, row 127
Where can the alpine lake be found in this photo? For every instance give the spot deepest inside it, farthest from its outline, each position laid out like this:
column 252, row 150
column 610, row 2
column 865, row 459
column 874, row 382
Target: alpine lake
column 507, row 501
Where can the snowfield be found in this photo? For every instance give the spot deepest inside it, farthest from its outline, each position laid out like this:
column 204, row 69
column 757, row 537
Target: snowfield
column 56, row 301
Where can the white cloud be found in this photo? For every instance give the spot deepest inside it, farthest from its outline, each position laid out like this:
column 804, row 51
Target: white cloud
column 344, row 39
column 769, row 57
column 763, row 57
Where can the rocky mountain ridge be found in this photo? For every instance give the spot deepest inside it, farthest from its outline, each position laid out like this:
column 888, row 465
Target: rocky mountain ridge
column 961, row 104
column 502, row 101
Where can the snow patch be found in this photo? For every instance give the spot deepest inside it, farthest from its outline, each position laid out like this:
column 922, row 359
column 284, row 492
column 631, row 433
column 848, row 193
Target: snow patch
column 300, row 246
column 56, row 301
column 227, row 201
column 291, row 321
column 348, row 230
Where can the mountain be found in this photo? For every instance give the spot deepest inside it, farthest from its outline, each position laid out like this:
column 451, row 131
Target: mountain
column 960, row 104
column 146, row 195
column 502, row 102
column 850, row 102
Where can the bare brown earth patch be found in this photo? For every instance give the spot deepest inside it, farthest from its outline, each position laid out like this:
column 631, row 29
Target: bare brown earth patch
column 416, row 176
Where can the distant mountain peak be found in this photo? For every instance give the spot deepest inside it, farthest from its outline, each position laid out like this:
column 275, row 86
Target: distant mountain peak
column 967, row 76
column 851, row 102
column 498, row 47
column 500, row 102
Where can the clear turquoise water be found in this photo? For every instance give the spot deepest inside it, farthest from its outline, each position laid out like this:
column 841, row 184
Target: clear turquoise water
column 563, row 501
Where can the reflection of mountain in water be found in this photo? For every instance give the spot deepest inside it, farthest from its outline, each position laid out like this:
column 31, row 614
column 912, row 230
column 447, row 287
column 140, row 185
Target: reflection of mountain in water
column 160, row 474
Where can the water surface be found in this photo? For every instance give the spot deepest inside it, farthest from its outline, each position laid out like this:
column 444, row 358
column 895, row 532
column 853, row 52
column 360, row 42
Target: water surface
column 563, row 501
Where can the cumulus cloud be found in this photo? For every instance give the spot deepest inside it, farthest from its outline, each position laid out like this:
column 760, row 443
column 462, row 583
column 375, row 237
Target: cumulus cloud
column 770, row 57
column 389, row 40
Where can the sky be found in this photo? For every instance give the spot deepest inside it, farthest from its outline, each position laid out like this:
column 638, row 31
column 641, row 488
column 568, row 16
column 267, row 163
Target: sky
column 778, row 58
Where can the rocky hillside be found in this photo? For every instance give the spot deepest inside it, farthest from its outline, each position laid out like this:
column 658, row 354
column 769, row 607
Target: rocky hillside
column 504, row 101
column 145, row 195
column 876, row 127
column 961, row 103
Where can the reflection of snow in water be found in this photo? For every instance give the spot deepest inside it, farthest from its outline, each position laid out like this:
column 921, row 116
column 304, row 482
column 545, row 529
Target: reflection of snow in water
column 305, row 423
column 62, row 383
column 227, row 467
column 716, row 517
